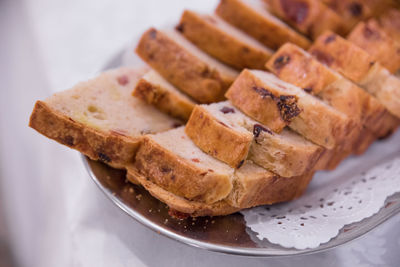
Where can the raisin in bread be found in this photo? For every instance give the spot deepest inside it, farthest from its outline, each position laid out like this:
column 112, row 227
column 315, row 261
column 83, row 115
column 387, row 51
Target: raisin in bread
column 252, row 17
column 155, row 90
column 100, row 118
column 212, row 127
column 265, row 98
column 294, row 65
column 185, row 66
column 223, row 41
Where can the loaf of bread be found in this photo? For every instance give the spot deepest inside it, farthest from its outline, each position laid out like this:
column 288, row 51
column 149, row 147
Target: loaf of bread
column 310, row 17
column 384, row 86
column 212, row 127
column 264, row 144
column 265, row 98
column 351, row 11
column 184, row 65
column 100, row 118
column 252, row 17
column 155, row 90
column 223, row 41
column 374, row 40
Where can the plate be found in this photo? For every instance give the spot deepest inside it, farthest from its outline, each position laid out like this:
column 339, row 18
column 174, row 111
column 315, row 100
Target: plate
column 225, row 234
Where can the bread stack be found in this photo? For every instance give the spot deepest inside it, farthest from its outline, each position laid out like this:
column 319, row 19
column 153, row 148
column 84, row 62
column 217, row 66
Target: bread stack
column 265, row 107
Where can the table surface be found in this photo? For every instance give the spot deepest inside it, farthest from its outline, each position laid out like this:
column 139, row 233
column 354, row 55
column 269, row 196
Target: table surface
column 51, row 213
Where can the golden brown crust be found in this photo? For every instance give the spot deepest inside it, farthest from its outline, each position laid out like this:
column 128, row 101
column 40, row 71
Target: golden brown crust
column 204, row 32
column 290, row 64
column 310, row 17
column 317, row 121
column 251, row 96
column 184, row 70
column 270, row 32
column 164, row 100
column 373, row 39
column 342, row 56
column 111, row 148
column 218, row 139
column 178, row 175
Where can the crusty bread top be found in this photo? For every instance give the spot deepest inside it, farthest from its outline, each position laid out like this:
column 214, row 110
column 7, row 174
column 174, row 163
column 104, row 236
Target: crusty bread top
column 222, row 68
column 105, row 103
column 294, row 65
column 252, row 17
column 342, row 56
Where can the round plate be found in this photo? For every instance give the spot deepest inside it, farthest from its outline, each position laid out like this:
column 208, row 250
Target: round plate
column 225, row 234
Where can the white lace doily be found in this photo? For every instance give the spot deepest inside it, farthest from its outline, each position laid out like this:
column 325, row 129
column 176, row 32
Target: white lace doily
column 318, row 216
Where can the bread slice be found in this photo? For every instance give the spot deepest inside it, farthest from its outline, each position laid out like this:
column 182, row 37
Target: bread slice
column 384, row 86
column 373, row 39
column 212, row 127
column 390, row 22
column 265, row 98
column 223, row 41
column 310, row 17
column 155, row 90
column 351, row 11
column 253, row 186
column 301, row 69
column 341, row 55
column 185, row 66
column 100, row 118
column 252, row 17
column 173, row 162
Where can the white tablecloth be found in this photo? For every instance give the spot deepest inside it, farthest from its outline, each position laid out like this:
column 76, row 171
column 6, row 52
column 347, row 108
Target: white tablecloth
column 54, row 214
